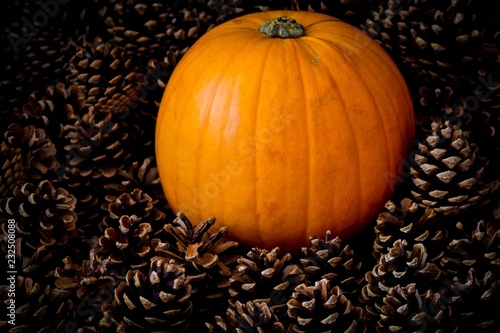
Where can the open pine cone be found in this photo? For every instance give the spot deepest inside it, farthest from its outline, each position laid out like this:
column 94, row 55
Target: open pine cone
column 106, row 77
column 426, row 36
column 405, row 310
column 329, row 259
column 322, row 308
column 130, row 230
column 412, row 223
column 401, row 265
column 263, row 274
column 91, row 286
column 247, row 317
column 447, row 173
column 12, row 169
column 158, row 301
column 45, row 220
column 36, row 150
column 205, row 257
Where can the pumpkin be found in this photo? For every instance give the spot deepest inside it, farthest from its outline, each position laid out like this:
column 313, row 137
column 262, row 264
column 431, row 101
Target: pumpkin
column 283, row 125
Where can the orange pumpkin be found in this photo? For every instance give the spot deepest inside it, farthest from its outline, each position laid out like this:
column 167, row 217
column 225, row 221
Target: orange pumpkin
column 281, row 135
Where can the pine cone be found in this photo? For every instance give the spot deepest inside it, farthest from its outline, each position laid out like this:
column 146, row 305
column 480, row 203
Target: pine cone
column 139, row 174
column 37, row 151
column 206, row 259
column 52, row 107
column 479, row 250
column 147, row 31
column 447, row 172
column 45, row 220
column 262, row 274
column 106, row 76
column 248, row 317
column 475, row 302
column 129, row 230
column 329, row 259
column 95, row 148
column 159, row 301
column 439, row 102
column 412, row 223
column 92, row 285
column 40, row 307
column 322, row 308
column 405, row 310
column 435, row 41
column 12, row 169
column 401, row 265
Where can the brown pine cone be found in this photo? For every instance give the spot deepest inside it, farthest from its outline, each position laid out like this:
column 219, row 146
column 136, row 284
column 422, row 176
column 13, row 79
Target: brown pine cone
column 106, row 76
column 479, row 250
column 248, row 317
column 12, row 169
column 435, row 41
column 40, row 307
column 406, row 310
column 91, row 286
column 475, row 301
column 139, row 174
column 322, row 308
column 206, row 258
column 329, row 259
column 45, row 220
column 447, row 172
column 37, row 151
column 130, row 229
column 401, row 265
column 94, row 148
column 263, row 274
column 439, row 102
column 412, row 223
column 158, row 301
column 52, row 107
column 147, row 31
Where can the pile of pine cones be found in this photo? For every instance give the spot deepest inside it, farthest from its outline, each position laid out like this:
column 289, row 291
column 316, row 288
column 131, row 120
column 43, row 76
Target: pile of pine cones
column 98, row 250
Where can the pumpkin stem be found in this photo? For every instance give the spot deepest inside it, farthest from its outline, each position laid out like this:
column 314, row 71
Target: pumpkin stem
column 283, row 27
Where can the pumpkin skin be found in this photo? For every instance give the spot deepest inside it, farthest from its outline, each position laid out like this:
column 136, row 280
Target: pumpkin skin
column 283, row 138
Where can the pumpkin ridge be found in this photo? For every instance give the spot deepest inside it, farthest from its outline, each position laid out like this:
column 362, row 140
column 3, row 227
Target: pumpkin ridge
column 335, row 48
column 401, row 82
column 378, row 114
column 298, row 51
column 206, row 123
column 399, row 116
column 394, row 69
column 265, row 62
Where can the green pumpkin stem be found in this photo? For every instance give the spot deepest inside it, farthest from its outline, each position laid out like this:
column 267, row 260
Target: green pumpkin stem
column 283, row 27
